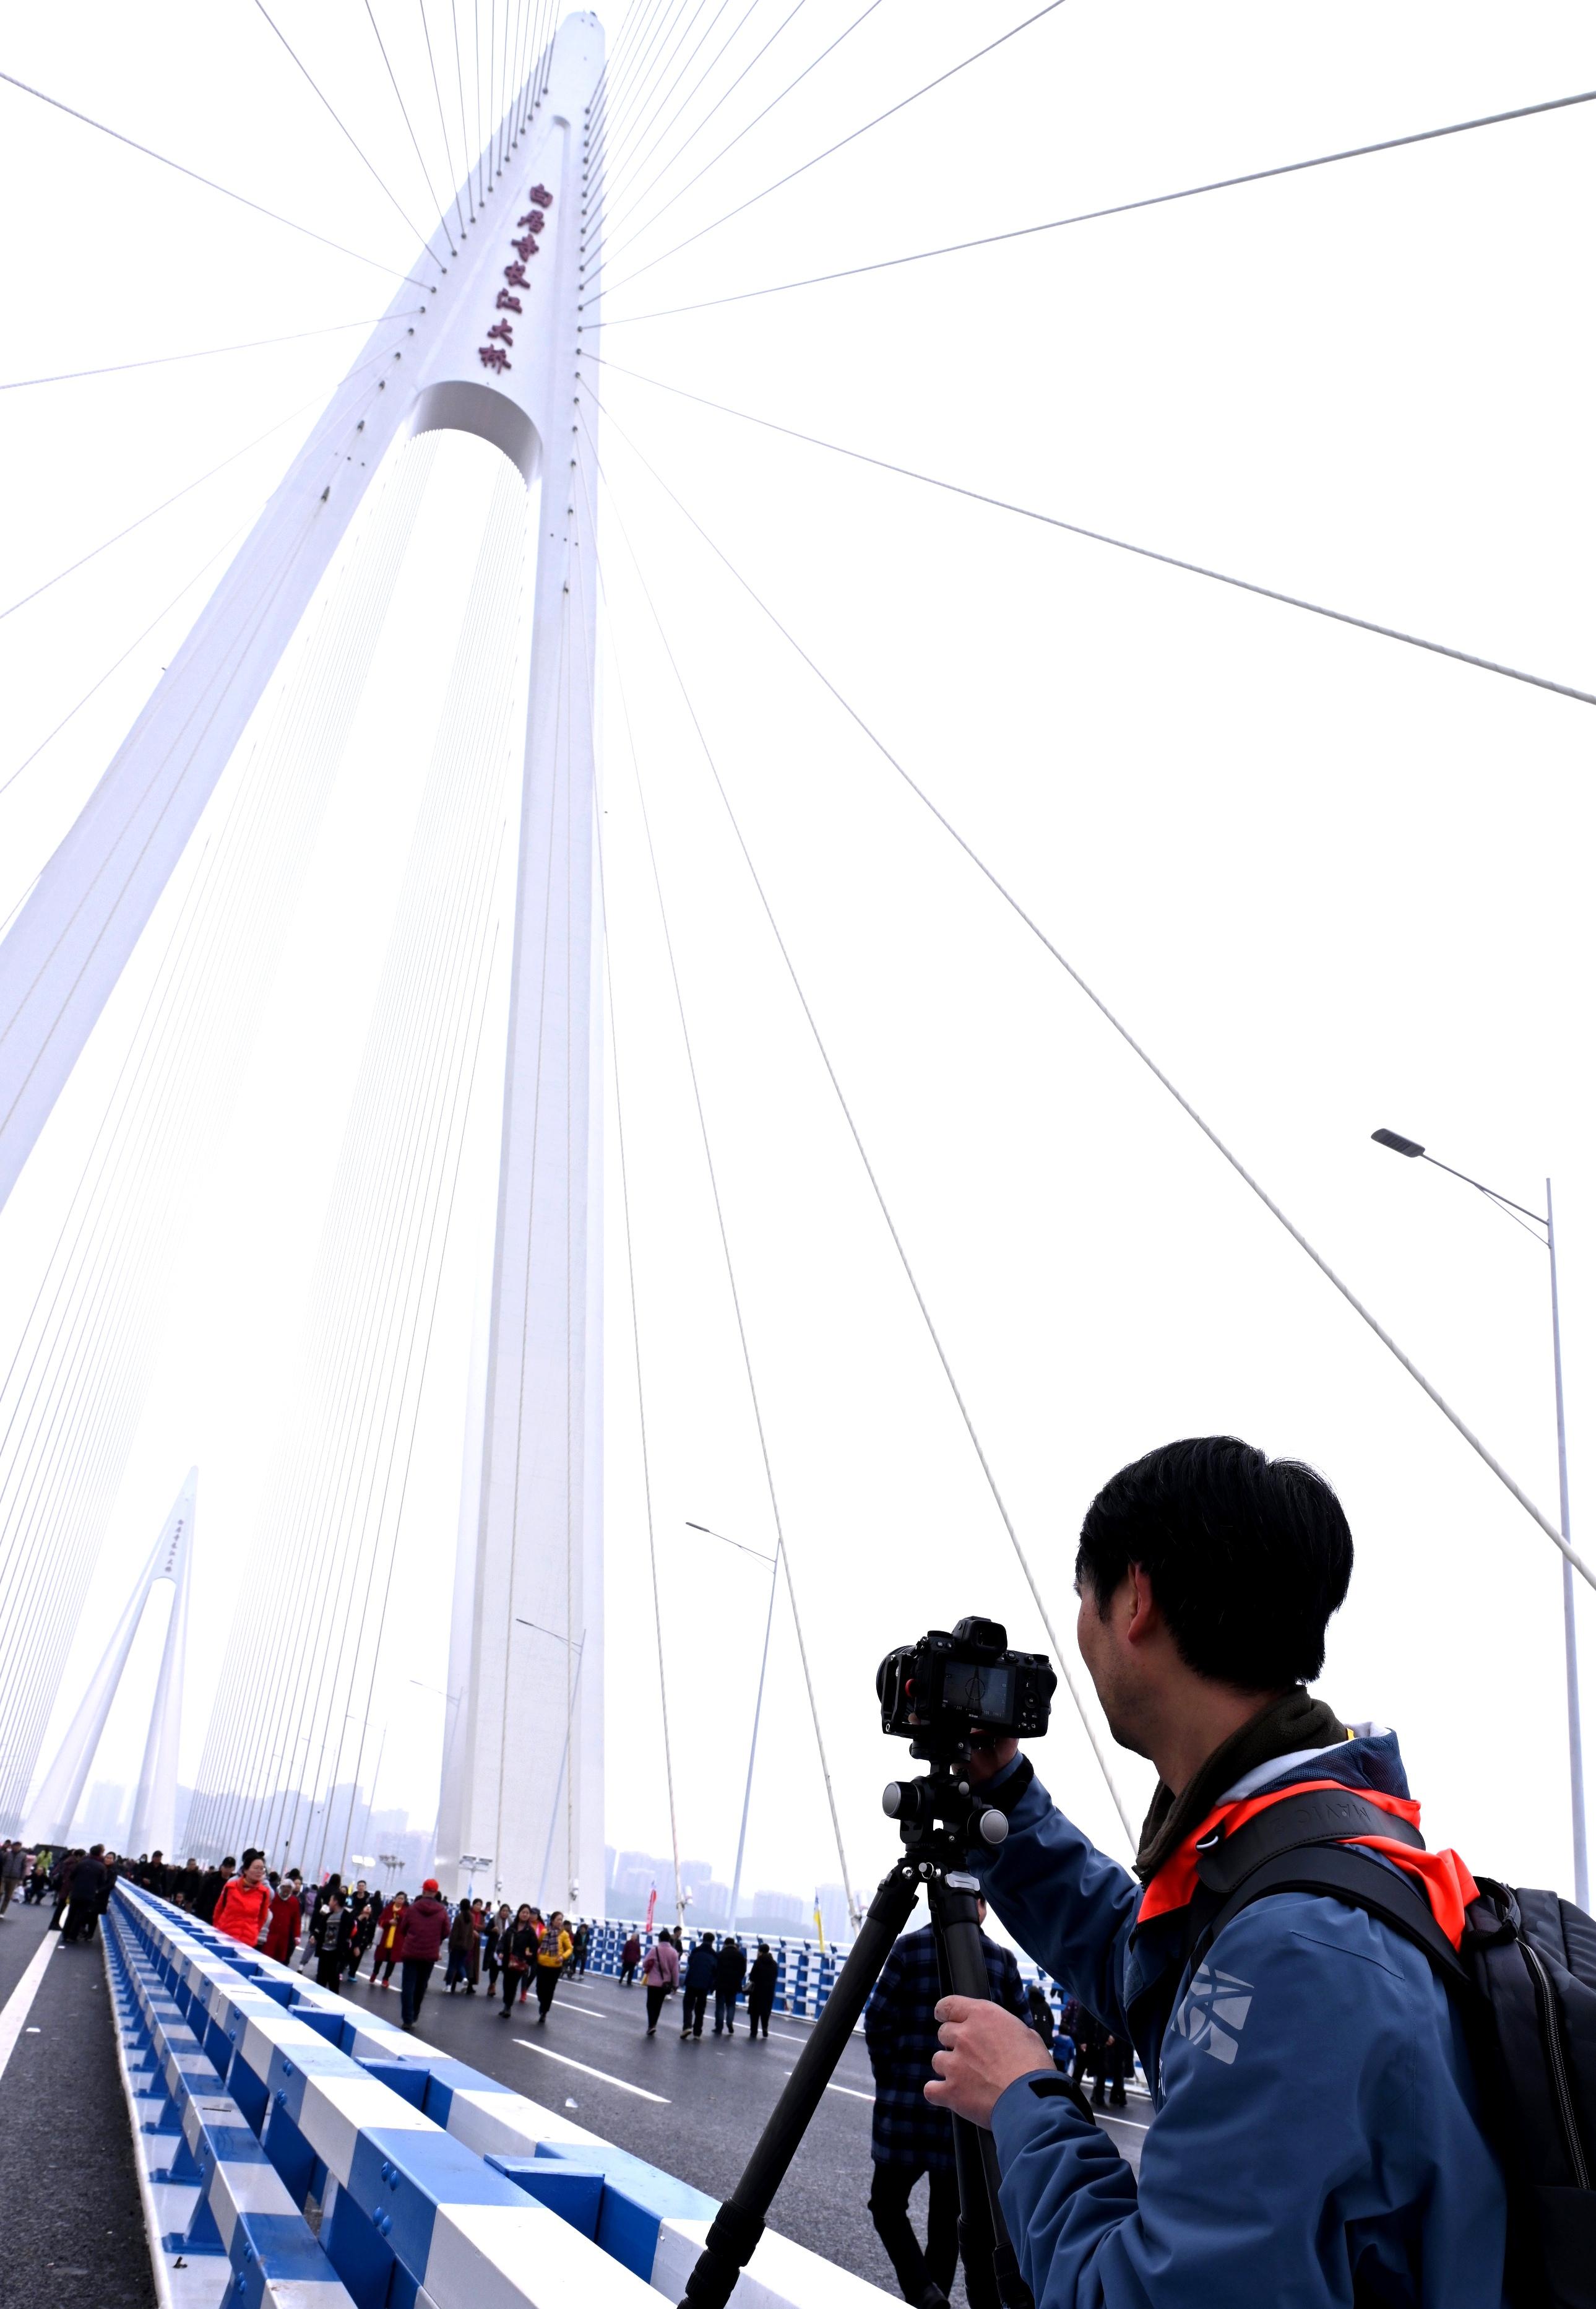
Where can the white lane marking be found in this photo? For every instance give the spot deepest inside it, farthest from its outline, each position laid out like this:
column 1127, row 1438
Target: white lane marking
column 789, row 2040
column 848, row 2089
column 566, row 2005
column 20, row 2003
column 603, row 2075
column 1124, row 2119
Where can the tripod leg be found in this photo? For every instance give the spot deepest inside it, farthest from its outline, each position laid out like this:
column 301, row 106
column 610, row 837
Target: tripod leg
column 983, row 2236
column 739, row 2223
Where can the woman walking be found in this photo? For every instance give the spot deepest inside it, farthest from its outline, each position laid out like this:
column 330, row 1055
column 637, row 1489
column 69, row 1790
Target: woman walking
column 554, row 1952
column 389, row 1924
column 493, row 1942
column 465, row 1938
column 283, row 1931
column 661, row 1969
column 518, row 1950
column 631, row 1957
column 330, row 1930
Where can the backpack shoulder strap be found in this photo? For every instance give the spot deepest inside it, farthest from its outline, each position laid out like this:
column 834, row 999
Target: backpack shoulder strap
column 1343, row 1871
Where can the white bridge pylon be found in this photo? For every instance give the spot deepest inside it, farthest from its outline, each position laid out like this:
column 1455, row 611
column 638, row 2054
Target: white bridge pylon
column 487, row 345
column 153, row 1826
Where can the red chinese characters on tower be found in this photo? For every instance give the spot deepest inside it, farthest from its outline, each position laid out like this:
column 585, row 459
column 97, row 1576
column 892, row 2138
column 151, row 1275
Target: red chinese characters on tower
column 503, row 329
column 505, row 303
column 493, row 357
column 534, row 220
column 525, row 246
column 542, row 196
column 515, row 274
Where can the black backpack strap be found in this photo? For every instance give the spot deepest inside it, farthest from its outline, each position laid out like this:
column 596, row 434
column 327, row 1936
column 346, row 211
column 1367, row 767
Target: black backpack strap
column 1343, row 1871
column 1319, row 1816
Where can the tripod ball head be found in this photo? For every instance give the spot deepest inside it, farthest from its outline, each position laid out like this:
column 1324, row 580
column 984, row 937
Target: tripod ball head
column 917, row 1804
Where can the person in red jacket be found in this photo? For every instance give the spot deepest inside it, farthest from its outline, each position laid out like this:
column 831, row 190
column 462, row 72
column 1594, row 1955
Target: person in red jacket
column 244, row 1902
column 284, row 1928
column 423, row 1932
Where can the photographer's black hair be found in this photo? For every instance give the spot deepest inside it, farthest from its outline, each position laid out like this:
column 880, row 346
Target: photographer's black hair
column 1247, row 1556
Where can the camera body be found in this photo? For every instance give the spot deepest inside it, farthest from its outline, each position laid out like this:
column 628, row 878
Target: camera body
column 944, row 1691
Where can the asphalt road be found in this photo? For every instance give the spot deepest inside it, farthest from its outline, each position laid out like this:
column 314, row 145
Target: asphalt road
column 694, row 2108
column 71, row 2220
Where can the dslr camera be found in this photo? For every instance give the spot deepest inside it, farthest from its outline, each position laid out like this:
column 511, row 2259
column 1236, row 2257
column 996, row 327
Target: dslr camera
column 947, row 1690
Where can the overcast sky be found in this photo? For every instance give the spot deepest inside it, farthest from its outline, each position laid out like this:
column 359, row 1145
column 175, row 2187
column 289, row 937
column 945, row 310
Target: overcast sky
column 1329, row 881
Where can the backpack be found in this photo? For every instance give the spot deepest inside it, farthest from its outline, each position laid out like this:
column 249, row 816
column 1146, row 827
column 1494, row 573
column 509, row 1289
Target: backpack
column 1524, row 1985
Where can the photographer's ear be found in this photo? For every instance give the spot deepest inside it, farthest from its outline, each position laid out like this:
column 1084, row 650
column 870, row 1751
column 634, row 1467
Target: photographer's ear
column 1143, row 1618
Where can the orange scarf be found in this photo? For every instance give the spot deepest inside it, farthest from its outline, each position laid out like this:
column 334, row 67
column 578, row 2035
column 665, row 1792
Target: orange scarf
column 1443, row 1878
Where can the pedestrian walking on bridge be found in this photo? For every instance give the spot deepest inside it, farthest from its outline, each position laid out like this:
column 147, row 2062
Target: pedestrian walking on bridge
column 698, row 1981
column 661, row 1970
column 631, row 1957
column 762, row 1991
column 730, row 1967
column 554, row 1952
column 425, row 1929
column 283, row 1931
column 385, row 1945
column 88, row 1879
column 244, row 1908
column 14, row 1866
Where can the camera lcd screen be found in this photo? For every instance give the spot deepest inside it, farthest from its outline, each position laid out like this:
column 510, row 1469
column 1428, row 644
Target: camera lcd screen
column 986, row 1693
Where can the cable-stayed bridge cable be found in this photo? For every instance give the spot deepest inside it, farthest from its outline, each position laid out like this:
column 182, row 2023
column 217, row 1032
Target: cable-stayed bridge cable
column 441, row 206
column 1137, row 1049
column 841, row 143
column 167, row 1105
column 648, row 1489
column 205, row 352
column 425, row 238
column 1124, row 544
column 988, row 1473
column 199, row 480
column 1115, row 209
column 746, row 1352
column 438, row 91
column 209, row 181
column 641, row 159
column 732, row 142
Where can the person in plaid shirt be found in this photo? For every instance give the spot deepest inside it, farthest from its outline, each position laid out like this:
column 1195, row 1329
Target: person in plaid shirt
column 908, row 2136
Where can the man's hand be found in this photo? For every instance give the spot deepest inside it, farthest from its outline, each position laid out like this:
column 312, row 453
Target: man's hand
column 984, row 2049
column 988, row 1758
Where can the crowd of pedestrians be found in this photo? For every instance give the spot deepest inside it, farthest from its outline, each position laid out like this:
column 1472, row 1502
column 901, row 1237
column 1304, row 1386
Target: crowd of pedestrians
column 508, row 1954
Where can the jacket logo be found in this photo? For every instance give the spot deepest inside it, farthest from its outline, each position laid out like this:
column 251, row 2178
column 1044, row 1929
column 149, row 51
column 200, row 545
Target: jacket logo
column 1215, row 2012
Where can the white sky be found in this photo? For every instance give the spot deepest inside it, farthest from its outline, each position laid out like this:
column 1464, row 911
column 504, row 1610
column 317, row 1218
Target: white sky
column 1329, row 881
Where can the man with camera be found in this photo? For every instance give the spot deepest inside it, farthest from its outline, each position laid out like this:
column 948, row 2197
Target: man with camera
column 1316, row 2136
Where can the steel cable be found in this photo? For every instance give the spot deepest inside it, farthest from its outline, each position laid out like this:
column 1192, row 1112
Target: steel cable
column 1115, row 209
column 326, row 102
column 841, row 144
column 1124, row 545
column 1000, row 888
column 209, row 181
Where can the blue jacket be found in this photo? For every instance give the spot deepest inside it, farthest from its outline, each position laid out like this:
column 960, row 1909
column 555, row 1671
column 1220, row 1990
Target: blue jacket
column 700, row 1970
column 1315, row 2125
column 900, row 2037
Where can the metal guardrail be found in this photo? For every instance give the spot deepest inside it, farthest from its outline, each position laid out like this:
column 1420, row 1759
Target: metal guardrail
column 301, row 2153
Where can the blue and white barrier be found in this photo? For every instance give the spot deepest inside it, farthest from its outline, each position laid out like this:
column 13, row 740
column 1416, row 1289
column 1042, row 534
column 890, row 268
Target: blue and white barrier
column 298, row 2152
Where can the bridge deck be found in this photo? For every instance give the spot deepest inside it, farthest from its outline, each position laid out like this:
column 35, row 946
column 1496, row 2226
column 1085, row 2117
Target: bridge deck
column 69, row 2212
column 69, row 2200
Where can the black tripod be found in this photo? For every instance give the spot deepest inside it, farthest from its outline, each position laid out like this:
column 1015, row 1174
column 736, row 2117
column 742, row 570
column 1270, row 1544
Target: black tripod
column 938, row 1818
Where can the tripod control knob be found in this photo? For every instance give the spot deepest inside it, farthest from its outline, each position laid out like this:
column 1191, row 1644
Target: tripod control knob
column 892, row 1798
column 992, row 1825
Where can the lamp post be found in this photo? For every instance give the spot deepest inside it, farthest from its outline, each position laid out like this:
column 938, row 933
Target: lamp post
column 1577, row 1767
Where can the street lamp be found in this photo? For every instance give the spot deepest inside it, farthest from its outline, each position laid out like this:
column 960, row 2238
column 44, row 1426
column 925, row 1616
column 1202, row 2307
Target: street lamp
column 1517, row 1211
